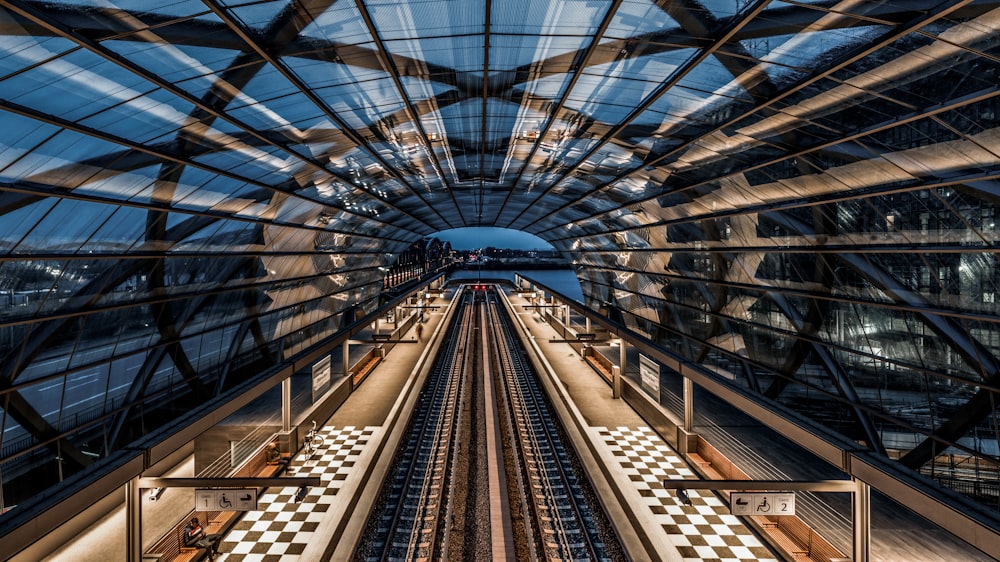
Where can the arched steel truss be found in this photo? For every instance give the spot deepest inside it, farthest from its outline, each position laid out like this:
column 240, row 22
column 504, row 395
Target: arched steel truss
column 800, row 195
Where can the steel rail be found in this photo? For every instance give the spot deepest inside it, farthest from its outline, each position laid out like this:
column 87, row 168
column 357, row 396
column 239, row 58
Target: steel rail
column 412, row 523
column 559, row 502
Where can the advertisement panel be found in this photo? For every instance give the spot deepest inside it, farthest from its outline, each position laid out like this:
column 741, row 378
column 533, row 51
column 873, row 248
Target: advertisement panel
column 320, row 377
column 649, row 375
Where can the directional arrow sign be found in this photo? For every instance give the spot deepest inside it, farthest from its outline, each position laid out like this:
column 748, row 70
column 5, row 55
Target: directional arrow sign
column 204, row 500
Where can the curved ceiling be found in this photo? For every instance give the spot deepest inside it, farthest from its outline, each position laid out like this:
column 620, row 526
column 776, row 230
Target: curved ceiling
column 799, row 196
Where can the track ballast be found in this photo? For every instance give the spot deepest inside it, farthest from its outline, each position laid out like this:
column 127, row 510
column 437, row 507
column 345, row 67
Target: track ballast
column 484, row 471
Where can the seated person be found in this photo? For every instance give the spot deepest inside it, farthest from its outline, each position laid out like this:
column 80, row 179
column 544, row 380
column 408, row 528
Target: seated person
column 273, row 454
column 195, row 537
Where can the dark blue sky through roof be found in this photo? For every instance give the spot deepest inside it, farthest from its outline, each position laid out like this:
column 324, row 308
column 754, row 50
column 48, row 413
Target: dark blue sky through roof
column 481, row 237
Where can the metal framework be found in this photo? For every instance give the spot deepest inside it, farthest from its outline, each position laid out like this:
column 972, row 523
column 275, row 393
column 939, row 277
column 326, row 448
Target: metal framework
column 799, row 197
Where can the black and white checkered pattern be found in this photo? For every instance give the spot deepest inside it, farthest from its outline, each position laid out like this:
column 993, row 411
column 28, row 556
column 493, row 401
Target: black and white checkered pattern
column 704, row 531
column 281, row 529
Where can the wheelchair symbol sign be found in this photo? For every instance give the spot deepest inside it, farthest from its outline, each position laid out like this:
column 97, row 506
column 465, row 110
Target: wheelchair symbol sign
column 757, row 503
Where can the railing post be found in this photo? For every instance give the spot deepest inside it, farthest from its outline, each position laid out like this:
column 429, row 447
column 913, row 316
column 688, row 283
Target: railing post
column 286, row 404
column 133, row 521
column 861, row 520
column 688, row 405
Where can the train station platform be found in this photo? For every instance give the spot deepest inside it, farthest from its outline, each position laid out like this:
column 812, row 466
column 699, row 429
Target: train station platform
column 740, row 447
column 626, row 456
column 634, row 460
column 357, row 438
column 281, row 528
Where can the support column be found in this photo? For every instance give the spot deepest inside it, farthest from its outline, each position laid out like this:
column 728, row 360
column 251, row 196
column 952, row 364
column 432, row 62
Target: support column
column 861, row 520
column 286, row 404
column 688, row 405
column 618, row 370
column 346, row 359
column 133, row 521
column 622, row 358
column 588, row 323
column 687, row 440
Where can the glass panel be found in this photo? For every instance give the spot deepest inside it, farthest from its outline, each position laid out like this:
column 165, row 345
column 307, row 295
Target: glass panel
column 803, row 210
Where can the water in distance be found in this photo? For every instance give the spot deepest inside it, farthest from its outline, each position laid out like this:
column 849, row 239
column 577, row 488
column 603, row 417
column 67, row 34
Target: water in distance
column 561, row 280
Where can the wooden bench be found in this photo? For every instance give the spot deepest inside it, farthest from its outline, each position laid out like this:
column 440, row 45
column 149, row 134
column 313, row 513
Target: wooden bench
column 811, row 544
column 367, row 365
column 257, row 466
column 600, row 364
column 787, row 543
column 705, row 467
column 789, row 534
column 170, row 547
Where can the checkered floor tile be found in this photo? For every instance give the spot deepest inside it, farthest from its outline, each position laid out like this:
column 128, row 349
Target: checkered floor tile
column 704, row 531
column 280, row 529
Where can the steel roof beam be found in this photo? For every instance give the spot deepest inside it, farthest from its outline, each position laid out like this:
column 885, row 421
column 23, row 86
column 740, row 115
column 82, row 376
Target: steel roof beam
column 60, row 29
column 690, row 65
column 390, row 68
column 859, row 53
column 266, row 55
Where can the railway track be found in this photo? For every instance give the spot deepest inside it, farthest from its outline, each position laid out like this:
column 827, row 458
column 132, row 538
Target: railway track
column 409, row 525
column 566, row 529
column 484, row 473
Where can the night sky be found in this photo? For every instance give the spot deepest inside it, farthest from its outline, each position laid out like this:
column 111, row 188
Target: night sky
column 473, row 238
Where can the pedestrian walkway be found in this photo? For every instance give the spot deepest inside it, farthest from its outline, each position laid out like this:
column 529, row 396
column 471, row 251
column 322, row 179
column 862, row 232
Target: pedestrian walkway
column 635, row 459
column 281, row 528
column 703, row 530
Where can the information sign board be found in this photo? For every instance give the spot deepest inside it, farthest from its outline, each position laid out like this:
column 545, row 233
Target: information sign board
column 320, row 377
column 229, row 499
column 761, row 503
column 649, row 376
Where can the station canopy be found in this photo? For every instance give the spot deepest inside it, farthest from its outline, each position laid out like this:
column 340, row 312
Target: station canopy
column 798, row 198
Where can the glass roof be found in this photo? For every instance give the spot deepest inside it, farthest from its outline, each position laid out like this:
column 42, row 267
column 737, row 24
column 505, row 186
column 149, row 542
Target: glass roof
column 801, row 197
